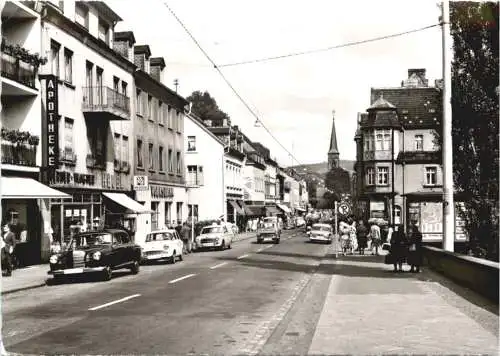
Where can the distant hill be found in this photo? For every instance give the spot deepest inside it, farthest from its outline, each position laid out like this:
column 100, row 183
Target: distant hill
column 322, row 168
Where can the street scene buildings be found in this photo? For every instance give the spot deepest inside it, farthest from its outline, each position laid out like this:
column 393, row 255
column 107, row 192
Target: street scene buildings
column 199, row 178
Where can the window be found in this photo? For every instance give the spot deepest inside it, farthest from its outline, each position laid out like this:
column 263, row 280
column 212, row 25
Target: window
column 150, row 107
column 116, row 84
column 103, row 34
column 161, row 154
column 97, row 142
column 124, row 88
column 54, row 57
column 419, row 142
column 382, row 175
column 138, row 100
column 124, row 151
column 140, row 158
column 151, row 156
column 179, row 212
column 154, row 215
column 180, row 125
column 118, row 145
column 191, row 143
column 369, row 144
column 387, row 141
column 430, row 175
column 99, row 85
column 82, row 15
column 68, row 65
column 195, row 175
column 168, row 213
column 160, row 113
column 179, row 163
column 378, row 142
column 68, row 136
column 382, row 140
column 170, row 160
column 200, row 175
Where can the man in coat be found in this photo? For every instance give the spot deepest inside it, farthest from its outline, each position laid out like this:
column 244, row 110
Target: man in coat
column 8, row 245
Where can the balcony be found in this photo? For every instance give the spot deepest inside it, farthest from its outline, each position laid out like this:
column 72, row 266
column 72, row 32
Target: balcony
column 105, row 103
column 19, row 69
column 67, row 156
column 19, row 148
column 95, row 161
column 121, row 166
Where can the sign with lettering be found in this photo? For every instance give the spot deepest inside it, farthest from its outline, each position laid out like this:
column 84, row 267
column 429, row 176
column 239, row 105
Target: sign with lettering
column 158, row 191
column 52, row 118
column 102, row 180
column 140, row 182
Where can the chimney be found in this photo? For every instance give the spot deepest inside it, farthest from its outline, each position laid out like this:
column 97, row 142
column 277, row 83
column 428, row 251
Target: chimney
column 141, row 57
column 416, row 78
column 157, row 64
column 123, row 43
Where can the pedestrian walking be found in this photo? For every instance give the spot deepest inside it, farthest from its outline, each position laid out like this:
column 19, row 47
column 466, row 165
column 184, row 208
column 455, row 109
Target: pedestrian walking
column 362, row 232
column 376, row 238
column 398, row 251
column 353, row 235
column 415, row 249
column 7, row 251
column 345, row 238
column 186, row 237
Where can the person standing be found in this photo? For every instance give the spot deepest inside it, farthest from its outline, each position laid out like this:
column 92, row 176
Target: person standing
column 8, row 245
column 398, row 248
column 362, row 233
column 345, row 238
column 376, row 238
column 415, row 249
column 186, row 237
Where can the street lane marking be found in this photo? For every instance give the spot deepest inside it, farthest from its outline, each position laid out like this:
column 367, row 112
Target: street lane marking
column 114, row 302
column 181, row 278
column 219, row 265
column 239, row 258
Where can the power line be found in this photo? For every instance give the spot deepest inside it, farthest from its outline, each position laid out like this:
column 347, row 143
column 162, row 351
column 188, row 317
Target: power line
column 348, row 44
column 227, row 81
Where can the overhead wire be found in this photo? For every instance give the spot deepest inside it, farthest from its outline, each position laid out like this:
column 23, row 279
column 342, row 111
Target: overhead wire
column 229, row 83
column 348, row 44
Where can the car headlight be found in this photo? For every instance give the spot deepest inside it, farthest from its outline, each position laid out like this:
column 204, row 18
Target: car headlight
column 216, row 240
column 53, row 259
column 96, row 255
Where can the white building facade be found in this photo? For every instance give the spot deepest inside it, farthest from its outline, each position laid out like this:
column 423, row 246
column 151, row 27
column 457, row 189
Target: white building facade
column 206, row 172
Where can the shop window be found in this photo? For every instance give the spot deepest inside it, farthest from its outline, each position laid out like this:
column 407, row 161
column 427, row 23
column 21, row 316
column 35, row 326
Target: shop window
column 154, row 215
column 179, row 212
column 168, row 213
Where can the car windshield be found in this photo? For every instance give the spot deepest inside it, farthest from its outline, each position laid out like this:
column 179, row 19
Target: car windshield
column 211, row 229
column 84, row 241
column 321, row 228
column 269, row 220
column 159, row 236
column 268, row 224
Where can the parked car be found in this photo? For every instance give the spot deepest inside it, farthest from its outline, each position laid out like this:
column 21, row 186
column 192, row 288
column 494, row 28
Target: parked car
column 215, row 236
column 97, row 252
column 269, row 230
column 321, row 233
column 300, row 221
column 162, row 245
column 289, row 224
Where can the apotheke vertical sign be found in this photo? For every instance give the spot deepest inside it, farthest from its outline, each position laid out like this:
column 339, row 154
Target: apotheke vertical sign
column 52, row 125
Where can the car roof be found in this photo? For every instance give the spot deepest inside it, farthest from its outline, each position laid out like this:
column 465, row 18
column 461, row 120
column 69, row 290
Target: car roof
column 327, row 225
column 162, row 230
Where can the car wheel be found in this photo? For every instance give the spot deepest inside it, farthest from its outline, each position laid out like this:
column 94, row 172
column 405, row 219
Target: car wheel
column 172, row 259
column 107, row 273
column 135, row 267
column 181, row 257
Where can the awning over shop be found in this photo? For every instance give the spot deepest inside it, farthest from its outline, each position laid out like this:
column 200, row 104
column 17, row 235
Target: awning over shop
column 299, row 208
column 236, row 207
column 285, row 208
column 131, row 205
column 272, row 210
column 254, row 210
column 28, row 188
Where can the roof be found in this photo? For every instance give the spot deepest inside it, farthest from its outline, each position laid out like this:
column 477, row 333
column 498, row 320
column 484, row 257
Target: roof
column 333, row 139
column 197, row 121
column 381, row 103
column 124, row 36
column 142, row 49
column 105, row 10
column 157, row 61
column 416, row 107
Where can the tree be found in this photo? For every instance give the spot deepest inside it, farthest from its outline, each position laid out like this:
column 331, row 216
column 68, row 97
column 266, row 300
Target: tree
column 338, row 182
column 474, row 29
column 206, row 107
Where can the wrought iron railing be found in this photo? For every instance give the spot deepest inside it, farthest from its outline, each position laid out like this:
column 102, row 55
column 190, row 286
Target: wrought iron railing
column 104, row 98
column 18, row 70
column 18, row 154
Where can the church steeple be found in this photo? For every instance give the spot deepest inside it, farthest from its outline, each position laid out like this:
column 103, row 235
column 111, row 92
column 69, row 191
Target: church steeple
column 333, row 152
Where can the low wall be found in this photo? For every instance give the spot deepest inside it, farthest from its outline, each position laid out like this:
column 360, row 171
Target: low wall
column 471, row 272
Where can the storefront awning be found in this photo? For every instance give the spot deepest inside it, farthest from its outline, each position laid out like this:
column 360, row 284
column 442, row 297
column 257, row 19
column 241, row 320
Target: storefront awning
column 254, row 210
column 28, row 188
column 236, row 207
column 299, row 208
column 285, row 208
column 272, row 210
column 130, row 204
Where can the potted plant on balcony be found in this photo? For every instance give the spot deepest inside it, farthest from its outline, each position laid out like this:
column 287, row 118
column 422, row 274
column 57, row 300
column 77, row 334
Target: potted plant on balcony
column 23, row 54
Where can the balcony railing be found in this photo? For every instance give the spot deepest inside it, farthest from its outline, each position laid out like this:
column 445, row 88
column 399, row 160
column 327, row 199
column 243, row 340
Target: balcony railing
column 15, row 69
column 95, row 161
column 67, row 156
column 18, row 154
column 105, row 100
column 121, row 166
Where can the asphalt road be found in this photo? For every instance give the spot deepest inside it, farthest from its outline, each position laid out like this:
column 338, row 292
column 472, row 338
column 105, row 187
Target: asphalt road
column 252, row 299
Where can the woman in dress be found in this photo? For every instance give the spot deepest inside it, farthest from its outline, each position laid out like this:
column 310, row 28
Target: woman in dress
column 415, row 249
column 398, row 248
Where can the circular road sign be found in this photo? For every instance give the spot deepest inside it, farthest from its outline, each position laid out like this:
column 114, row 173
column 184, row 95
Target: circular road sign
column 344, row 209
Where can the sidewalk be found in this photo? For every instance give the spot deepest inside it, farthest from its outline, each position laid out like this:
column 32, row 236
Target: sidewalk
column 25, row 278
column 371, row 310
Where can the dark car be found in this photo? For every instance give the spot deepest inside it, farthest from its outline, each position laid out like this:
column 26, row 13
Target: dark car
column 97, row 252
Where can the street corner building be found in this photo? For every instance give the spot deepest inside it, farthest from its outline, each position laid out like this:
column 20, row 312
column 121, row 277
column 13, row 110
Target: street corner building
column 398, row 164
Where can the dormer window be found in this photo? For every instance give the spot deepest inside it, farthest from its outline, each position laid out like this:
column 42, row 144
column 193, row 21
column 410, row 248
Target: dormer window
column 82, row 15
column 103, row 31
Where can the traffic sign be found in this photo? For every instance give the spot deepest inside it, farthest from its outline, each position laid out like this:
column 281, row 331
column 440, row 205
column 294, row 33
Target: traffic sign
column 344, row 209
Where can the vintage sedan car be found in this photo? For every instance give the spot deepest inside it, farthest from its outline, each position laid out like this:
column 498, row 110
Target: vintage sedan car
column 269, row 230
column 97, row 252
column 321, row 233
column 300, row 221
column 162, row 245
column 215, row 236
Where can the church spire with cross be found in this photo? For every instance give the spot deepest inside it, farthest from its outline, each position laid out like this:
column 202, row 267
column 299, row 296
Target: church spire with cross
column 333, row 152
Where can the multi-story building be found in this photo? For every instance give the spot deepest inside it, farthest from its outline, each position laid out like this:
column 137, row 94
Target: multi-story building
column 24, row 199
column 398, row 168
column 158, row 141
column 205, row 171
column 270, row 181
column 87, row 149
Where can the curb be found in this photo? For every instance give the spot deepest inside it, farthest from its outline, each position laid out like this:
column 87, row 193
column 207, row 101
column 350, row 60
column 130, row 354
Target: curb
column 24, row 288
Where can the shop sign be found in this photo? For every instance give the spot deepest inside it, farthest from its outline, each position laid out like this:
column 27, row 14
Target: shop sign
column 377, row 206
column 140, row 182
column 51, row 121
column 103, row 180
column 158, row 191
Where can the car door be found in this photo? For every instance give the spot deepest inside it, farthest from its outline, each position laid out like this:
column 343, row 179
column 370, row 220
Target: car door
column 178, row 242
column 127, row 247
column 116, row 258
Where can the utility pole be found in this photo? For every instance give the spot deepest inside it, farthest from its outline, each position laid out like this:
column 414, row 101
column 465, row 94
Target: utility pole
column 176, row 83
column 448, row 201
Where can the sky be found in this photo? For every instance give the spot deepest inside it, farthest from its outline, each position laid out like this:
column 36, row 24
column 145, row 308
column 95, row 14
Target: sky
column 293, row 97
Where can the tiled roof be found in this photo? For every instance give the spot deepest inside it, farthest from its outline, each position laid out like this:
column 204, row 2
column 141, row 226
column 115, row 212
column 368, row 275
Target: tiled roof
column 381, row 118
column 381, row 103
column 416, row 107
column 420, row 157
